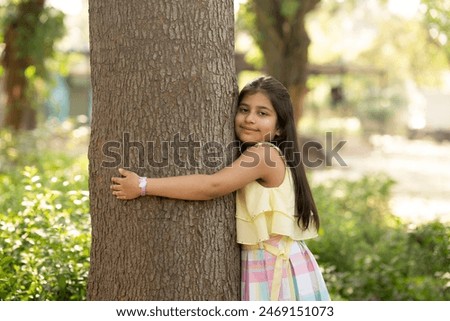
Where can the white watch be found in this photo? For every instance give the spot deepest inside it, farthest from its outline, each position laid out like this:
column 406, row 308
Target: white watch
column 143, row 185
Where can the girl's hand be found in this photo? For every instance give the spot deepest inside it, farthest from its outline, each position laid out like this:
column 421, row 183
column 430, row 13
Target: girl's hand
column 126, row 187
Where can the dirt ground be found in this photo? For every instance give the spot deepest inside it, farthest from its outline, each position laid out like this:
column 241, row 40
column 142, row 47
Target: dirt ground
column 421, row 169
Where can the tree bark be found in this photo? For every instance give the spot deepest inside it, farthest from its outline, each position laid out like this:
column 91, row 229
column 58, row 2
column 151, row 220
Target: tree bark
column 164, row 88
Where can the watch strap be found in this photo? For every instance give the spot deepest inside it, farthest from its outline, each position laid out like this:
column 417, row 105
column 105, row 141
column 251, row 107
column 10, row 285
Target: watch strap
column 143, row 185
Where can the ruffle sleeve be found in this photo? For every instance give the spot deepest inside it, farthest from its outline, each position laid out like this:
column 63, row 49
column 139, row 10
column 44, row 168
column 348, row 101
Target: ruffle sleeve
column 263, row 211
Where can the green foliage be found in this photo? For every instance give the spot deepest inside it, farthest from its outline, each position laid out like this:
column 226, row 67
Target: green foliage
column 36, row 34
column 436, row 19
column 368, row 254
column 44, row 221
column 246, row 24
column 288, row 9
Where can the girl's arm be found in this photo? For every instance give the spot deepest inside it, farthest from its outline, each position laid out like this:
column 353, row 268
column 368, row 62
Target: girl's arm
column 256, row 163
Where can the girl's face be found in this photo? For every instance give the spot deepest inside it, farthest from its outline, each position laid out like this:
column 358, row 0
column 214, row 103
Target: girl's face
column 256, row 119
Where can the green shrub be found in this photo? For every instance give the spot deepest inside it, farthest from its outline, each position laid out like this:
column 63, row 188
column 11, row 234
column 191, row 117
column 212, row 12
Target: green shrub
column 44, row 222
column 368, row 254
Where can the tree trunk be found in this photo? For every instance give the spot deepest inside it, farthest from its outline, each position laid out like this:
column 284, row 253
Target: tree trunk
column 164, row 89
column 298, row 94
column 281, row 34
column 20, row 112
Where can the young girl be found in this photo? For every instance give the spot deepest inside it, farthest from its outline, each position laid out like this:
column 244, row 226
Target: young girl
column 275, row 210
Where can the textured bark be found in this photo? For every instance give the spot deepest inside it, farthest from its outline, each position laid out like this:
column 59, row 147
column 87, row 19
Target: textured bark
column 160, row 68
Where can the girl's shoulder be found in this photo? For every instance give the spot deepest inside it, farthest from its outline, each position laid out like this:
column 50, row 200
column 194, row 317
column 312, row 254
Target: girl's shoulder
column 270, row 155
column 269, row 145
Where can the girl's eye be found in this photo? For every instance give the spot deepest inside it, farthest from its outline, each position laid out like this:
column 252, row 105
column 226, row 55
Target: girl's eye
column 262, row 113
column 243, row 110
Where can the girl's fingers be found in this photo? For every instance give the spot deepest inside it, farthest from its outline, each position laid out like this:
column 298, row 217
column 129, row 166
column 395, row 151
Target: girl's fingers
column 116, row 179
column 119, row 196
column 115, row 187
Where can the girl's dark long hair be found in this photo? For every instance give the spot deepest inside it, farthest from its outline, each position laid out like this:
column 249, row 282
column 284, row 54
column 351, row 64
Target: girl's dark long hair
column 287, row 141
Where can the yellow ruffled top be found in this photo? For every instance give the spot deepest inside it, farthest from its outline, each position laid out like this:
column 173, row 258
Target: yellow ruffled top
column 264, row 211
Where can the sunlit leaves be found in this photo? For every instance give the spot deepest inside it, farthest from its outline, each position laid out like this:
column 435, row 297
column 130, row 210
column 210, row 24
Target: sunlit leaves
column 44, row 225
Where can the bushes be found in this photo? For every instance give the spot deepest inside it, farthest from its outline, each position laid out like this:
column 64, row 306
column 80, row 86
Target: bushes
column 44, row 221
column 368, row 254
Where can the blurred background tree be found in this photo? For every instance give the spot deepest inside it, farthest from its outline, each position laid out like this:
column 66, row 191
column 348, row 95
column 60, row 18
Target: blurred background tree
column 278, row 28
column 29, row 30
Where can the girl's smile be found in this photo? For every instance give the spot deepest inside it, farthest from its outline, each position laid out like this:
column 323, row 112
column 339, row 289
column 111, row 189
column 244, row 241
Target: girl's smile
column 256, row 119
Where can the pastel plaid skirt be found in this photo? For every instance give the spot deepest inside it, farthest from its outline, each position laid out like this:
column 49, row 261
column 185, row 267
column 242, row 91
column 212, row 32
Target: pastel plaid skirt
column 281, row 269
